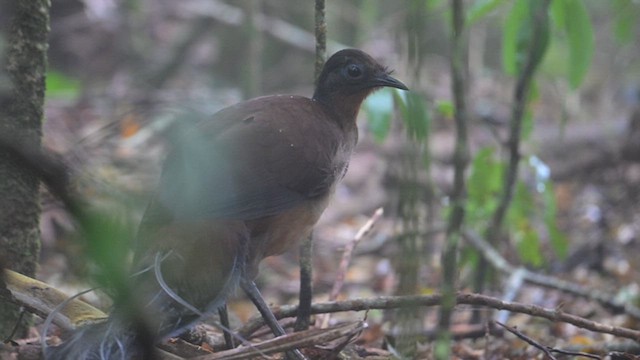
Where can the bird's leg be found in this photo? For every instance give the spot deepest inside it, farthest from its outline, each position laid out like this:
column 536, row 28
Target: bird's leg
column 253, row 293
column 226, row 328
column 306, row 291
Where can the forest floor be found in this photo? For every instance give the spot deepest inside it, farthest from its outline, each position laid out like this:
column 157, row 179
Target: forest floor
column 597, row 196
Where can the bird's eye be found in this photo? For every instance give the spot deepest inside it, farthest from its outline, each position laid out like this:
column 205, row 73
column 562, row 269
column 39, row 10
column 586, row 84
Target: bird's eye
column 354, row 71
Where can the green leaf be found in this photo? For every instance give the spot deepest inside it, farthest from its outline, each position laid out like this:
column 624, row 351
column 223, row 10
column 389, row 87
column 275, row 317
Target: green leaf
column 445, row 108
column 486, row 176
column 522, row 205
column 528, row 245
column 414, row 113
column 527, row 125
column 558, row 13
column 575, row 50
column 539, row 30
column 434, row 4
column 481, row 8
column 510, row 31
column 108, row 240
column 559, row 241
column 379, row 109
column 520, row 29
column 469, row 258
column 625, row 19
column 581, row 40
column 483, row 186
column 60, row 86
column 519, row 216
column 528, row 120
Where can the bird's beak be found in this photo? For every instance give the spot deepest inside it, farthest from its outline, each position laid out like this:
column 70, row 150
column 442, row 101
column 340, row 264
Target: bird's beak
column 385, row 79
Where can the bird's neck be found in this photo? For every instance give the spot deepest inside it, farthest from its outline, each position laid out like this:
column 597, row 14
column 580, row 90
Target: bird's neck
column 344, row 107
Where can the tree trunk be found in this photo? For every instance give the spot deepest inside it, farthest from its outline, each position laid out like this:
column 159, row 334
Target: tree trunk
column 21, row 112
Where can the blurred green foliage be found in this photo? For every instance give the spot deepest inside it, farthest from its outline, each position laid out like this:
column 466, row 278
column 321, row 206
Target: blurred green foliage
column 414, row 113
column 520, row 221
column 445, row 108
column 626, row 13
column 107, row 235
column 558, row 240
column 484, row 184
column 379, row 108
column 481, row 8
column 60, row 86
column 518, row 34
column 572, row 21
column 529, row 204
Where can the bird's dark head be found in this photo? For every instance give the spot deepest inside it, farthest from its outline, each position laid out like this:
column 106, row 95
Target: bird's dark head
column 349, row 76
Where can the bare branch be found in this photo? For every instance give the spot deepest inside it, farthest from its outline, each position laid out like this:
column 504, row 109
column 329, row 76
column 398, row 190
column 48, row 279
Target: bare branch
column 346, row 259
column 42, row 300
column 279, row 29
column 502, row 265
column 395, row 302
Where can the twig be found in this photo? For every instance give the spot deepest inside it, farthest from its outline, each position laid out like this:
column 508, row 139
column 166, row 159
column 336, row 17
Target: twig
column 527, row 339
column 346, row 259
column 395, row 302
column 321, row 37
column 546, row 349
column 513, row 286
column 632, row 347
column 348, row 252
column 458, row 60
column 306, row 248
column 409, row 319
column 498, row 262
column 252, row 79
column 290, row 341
column 279, row 29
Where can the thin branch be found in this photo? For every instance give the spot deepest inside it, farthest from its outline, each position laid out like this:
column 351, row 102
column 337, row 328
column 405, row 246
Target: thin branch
column 321, row 37
column 460, row 158
column 348, row 253
column 395, row 302
column 290, row 341
column 528, row 340
column 409, row 319
column 277, row 28
column 346, row 259
column 253, row 78
column 306, row 248
column 548, row 350
column 502, row 265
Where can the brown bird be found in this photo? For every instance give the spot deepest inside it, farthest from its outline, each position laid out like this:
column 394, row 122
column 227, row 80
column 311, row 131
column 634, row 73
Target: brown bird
column 246, row 184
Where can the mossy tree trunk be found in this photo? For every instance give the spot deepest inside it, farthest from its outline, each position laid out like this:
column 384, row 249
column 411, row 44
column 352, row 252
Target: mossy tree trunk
column 21, row 114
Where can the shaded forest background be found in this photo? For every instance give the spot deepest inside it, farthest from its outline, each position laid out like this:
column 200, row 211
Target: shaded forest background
column 120, row 70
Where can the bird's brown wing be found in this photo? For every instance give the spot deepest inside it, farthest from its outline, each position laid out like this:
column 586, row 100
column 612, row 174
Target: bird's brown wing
column 252, row 160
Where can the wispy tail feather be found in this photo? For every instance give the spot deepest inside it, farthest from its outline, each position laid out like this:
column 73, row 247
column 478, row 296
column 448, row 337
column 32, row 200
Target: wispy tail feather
column 102, row 341
column 133, row 334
